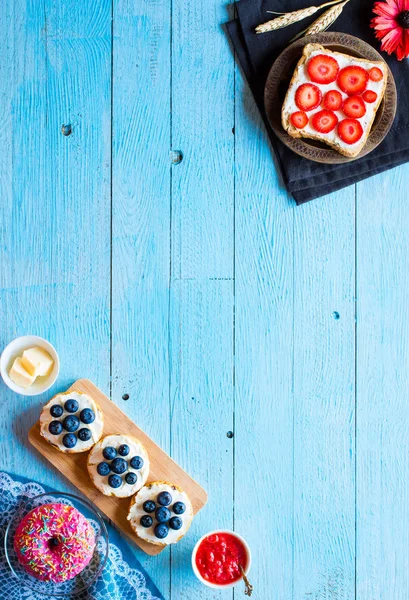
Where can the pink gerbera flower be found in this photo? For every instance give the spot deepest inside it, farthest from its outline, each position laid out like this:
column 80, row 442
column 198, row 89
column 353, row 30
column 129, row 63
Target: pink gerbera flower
column 392, row 26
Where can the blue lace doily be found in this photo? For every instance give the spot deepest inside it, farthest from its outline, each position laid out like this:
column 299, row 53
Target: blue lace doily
column 123, row 576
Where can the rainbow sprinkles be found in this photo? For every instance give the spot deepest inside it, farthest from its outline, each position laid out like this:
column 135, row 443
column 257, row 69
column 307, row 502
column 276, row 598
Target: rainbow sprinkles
column 54, row 542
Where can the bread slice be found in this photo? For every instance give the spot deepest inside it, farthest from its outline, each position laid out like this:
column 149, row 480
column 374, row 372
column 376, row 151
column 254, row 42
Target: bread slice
column 332, row 138
column 150, row 492
column 136, row 448
column 84, row 401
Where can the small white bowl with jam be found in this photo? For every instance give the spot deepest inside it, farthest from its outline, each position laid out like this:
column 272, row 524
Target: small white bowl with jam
column 220, row 558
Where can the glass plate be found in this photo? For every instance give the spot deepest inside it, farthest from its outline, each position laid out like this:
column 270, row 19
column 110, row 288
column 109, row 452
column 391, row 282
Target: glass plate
column 83, row 580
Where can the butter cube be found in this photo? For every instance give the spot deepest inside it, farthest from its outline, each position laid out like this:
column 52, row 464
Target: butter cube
column 37, row 362
column 19, row 375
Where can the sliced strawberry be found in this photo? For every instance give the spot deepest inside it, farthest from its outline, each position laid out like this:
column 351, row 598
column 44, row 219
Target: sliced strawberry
column 324, row 121
column 375, row 74
column 354, row 107
column 369, row 96
column 350, row 131
column 299, row 119
column 308, row 96
column 332, row 100
column 352, row 80
column 322, row 68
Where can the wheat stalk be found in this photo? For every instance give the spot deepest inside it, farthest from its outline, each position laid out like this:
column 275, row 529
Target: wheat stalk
column 293, row 17
column 324, row 21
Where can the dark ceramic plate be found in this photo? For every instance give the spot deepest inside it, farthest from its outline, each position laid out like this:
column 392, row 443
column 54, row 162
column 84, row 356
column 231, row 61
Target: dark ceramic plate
column 279, row 79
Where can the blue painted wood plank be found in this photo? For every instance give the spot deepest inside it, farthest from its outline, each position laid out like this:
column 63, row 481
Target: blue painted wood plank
column 55, row 201
column 141, row 224
column 202, row 413
column 263, row 356
column 382, row 386
column 201, row 311
column 202, row 122
column 324, row 397
column 193, row 325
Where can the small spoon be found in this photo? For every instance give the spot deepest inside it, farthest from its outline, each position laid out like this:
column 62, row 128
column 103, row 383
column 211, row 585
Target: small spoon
column 249, row 588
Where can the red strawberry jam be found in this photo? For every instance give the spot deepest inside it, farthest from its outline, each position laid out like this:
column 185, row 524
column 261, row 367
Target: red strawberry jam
column 218, row 558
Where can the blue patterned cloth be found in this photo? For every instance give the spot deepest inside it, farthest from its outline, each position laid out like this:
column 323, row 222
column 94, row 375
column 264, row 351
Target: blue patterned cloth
column 123, row 577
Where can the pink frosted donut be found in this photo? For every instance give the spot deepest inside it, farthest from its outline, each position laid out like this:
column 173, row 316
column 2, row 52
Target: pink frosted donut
column 54, row 542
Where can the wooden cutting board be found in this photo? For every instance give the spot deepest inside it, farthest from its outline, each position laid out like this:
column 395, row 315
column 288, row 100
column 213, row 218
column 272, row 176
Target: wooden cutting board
column 74, row 466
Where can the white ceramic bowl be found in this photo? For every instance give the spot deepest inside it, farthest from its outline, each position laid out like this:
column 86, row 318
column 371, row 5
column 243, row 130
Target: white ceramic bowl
column 214, row 585
column 16, row 348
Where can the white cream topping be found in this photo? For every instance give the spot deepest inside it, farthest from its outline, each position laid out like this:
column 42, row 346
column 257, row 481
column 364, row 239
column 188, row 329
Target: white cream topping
column 84, row 401
column 136, row 448
column 150, row 492
column 343, row 61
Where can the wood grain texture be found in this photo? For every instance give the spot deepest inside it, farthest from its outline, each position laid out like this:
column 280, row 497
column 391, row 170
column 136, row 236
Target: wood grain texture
column 74, row 466
column 55, row 199
column 202, row 122
column 263, row 357
column 141, row 223
column 202, row 412
column 223, row 295
column 324, row 398
column 201, row 309
column 382, row 385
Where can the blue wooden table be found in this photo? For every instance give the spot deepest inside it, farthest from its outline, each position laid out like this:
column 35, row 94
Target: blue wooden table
column 144, row 231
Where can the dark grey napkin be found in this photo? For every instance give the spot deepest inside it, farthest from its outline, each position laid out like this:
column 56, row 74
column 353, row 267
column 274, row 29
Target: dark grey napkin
column 305, row 179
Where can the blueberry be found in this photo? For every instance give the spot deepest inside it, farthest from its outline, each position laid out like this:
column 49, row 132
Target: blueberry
column 69, row 440
column 131, row 478
column 84, row 434
column 53, row 542
column 164, row 498
column 56, row 410
column 71, row 423
column 136, row 462
column 118, row 466
column 175, row 523
column 162, row 514
column 149, row 506
column 123, row 450
column 179, row 508
column 115, row 481
column 161, row 530
column 103, row 469
column 146, row 521
column 87, row 416
column 109, row 453
column 71, row 406
column 55, row 427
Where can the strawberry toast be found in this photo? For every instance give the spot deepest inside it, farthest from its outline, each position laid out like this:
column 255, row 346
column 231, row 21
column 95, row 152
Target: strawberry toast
column 334, row 98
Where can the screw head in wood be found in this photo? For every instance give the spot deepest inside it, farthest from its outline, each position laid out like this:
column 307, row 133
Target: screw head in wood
column 176, row 157
column 66, row 129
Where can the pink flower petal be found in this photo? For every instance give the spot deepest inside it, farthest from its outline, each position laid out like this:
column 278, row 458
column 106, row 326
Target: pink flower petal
column 394, row 37
column 381, row 27
column 405, row 41
column 392, row 40
column 382, row 12
column 380, row 23
column 396, row 4
column 382, row 31
column 392, row 22
column 383, row 9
